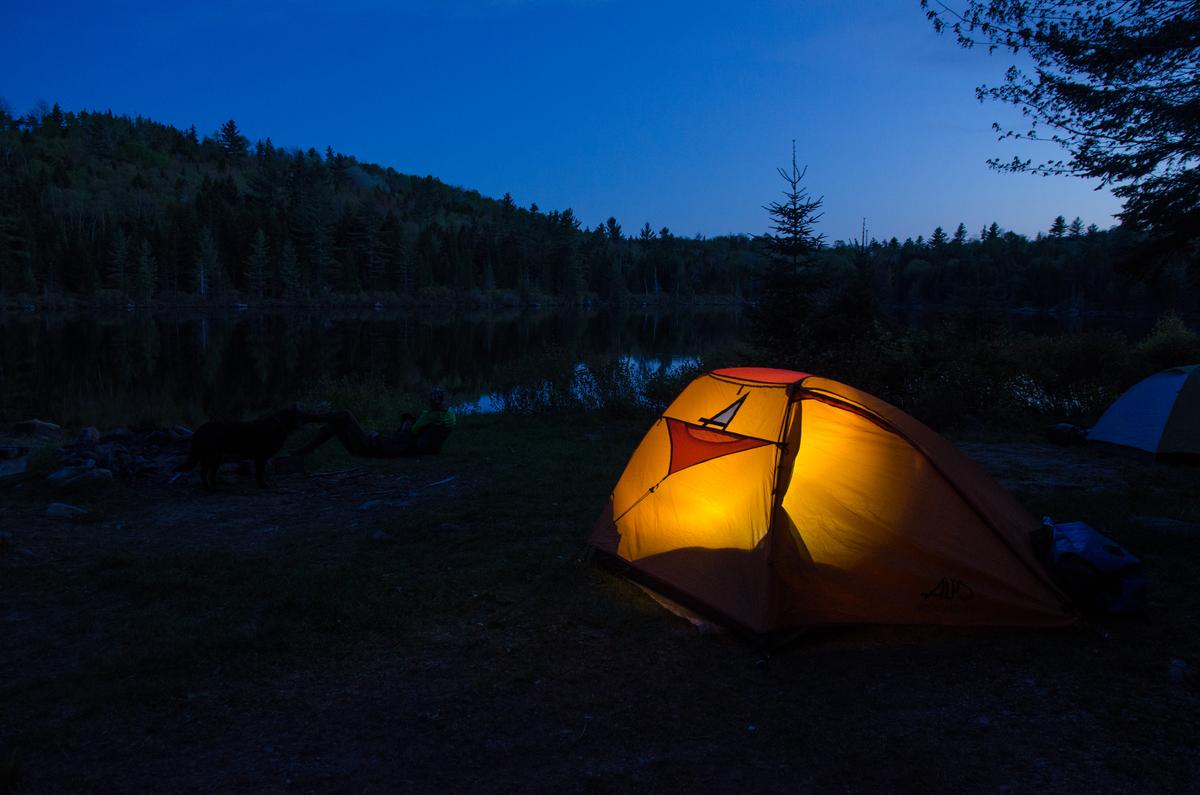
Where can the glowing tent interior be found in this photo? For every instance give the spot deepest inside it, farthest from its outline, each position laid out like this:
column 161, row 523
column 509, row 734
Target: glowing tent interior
column 771, row 499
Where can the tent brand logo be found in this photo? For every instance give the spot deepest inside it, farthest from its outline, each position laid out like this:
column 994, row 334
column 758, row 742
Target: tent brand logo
column 949, row 588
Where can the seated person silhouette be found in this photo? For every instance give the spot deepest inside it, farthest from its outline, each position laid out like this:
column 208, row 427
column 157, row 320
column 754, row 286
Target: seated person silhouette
column 416, row 436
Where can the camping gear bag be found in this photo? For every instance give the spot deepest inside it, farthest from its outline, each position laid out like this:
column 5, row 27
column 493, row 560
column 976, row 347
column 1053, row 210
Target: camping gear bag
column 1095, row 571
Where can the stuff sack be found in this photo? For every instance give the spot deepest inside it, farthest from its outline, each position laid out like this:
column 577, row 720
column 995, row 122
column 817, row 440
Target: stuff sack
column 1095, row 571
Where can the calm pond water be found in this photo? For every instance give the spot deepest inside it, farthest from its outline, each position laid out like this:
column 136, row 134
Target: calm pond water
column 117, row 368
column 122, row 369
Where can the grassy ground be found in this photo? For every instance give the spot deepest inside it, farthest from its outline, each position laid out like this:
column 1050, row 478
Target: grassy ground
column 446, row 638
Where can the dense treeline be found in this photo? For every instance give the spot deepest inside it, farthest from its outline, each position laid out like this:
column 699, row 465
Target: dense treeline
column 106, row 208
column 1068, row 267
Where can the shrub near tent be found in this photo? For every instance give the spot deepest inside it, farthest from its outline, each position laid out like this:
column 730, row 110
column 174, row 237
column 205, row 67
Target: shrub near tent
column 1159, row 415
column 773, row 499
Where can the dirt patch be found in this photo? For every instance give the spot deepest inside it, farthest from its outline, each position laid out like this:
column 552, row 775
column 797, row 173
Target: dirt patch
column 1040, row 468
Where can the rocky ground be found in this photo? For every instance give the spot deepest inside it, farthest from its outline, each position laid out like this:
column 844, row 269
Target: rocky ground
column 424, row 624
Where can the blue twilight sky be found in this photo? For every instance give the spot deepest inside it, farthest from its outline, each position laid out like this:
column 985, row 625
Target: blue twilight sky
column 676, row 113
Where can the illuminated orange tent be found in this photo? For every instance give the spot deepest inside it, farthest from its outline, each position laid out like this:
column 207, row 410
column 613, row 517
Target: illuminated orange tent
column 773, row 499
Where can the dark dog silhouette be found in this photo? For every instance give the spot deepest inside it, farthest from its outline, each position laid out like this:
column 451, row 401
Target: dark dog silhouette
column 259, row 439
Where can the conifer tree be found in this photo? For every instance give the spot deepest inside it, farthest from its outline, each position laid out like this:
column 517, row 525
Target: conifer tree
column 374, row 258
column 54, row 121
column 28, row 282
column 679, row 278
column 8, row 269
column 209, row 275
column 391, row 252
column 489, row 274
column 789, row 284
column 320, row 260
column 613, row 229
column 1115, row 85
column 117, row 276
column 1059, row 227
column 291, row 280
column 938, row 239
column 1076, row 228
column 232, row 142
column 146, row 277
column 618, row 291
column 960, row 234
column 257, row 265
column 792, row 221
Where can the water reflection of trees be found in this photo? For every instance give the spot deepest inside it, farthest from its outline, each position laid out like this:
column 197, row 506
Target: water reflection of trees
column 126, row 369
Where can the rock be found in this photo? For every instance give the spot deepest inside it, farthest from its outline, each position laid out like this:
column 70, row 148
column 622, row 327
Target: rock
column 180, row 432
column 369, row 504
column 6, row 546
column 160, row 437
column 10, row 451
column 1178, row 670
column 379, row 535
column 99, row 474
column 36, row 428
column 84, row 477
column 89, row 436
column 13, row 466
column 1166, row 525
column 1064, row 433
column 64, row 510
column 288, row 465
column 65, row 474
column 106, row 455
column 119, row 434
column 79, row 459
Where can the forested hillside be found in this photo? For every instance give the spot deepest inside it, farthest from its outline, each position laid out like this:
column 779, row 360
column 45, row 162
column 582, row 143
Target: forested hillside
column 105, row 206
column 96, row 207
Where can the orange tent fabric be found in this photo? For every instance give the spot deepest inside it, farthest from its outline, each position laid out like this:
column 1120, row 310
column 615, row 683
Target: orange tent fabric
column 773, row 499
